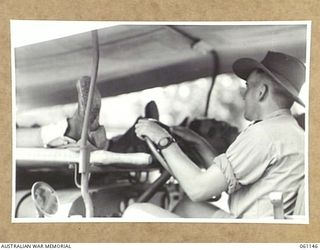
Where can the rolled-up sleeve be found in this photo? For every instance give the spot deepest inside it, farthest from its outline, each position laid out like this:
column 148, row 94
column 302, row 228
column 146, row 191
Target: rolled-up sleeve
column 223, row 163
column 246, row 159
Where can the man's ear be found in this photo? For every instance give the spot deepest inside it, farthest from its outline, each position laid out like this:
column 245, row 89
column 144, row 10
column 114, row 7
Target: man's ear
column 263, row 91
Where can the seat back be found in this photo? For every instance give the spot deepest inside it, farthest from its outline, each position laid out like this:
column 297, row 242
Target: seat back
column 299, row 208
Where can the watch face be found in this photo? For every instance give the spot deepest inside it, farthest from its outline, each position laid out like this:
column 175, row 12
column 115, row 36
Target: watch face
column 164, row 141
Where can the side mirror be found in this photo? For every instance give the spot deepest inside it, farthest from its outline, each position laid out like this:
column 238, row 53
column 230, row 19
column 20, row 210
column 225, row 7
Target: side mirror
column 45, row 199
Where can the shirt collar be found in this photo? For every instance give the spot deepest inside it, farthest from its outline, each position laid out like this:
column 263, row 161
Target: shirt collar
column 278, row 112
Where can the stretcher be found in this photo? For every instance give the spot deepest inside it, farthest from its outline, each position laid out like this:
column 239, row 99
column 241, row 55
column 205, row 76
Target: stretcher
column 53, row 156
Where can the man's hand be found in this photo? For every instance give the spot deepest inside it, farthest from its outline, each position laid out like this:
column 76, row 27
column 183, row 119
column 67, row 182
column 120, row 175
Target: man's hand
column 151, row 129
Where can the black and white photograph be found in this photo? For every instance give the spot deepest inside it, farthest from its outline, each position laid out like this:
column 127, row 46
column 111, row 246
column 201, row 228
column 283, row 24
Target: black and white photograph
column 160, row 121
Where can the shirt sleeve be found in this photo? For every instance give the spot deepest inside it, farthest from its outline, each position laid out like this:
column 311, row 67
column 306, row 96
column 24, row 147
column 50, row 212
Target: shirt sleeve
column 53, row 134
column 247, row 158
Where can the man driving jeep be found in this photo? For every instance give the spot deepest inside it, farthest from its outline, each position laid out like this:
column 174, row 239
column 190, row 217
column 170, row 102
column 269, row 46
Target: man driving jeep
column 267, row 156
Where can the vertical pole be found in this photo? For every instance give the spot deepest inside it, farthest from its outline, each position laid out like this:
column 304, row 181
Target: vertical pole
column 215, row 66
column 276, row 199
column 84, row 149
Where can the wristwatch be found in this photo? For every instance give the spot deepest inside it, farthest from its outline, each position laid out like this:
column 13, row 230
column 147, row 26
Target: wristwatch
column 165, row 142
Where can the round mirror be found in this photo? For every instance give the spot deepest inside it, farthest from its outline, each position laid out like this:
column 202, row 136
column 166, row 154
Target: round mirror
column 45, row 199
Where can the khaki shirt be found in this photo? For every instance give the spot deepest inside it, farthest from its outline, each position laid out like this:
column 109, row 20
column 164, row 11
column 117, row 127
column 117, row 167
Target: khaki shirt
column 267, row 156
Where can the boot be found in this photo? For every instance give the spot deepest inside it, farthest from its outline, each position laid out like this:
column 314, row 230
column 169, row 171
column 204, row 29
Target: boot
column 96, row 132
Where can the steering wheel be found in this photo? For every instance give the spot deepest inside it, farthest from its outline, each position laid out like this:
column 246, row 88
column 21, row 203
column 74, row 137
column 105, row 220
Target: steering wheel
column 164, row 177
column 156, row 154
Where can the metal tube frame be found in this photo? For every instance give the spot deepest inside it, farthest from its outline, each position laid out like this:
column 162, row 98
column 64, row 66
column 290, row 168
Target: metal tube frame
column 84, row 149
